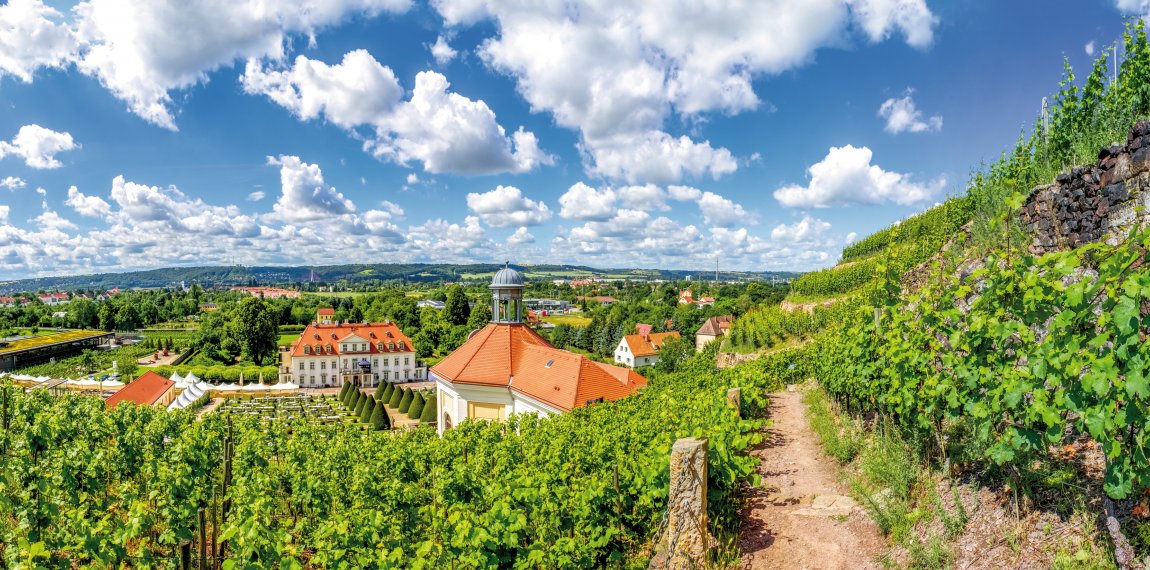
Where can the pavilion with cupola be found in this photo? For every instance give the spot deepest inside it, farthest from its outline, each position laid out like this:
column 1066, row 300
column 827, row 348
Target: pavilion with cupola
column 507, row 368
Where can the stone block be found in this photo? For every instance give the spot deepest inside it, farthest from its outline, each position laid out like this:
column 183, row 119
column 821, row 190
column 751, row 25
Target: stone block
column 685, row 543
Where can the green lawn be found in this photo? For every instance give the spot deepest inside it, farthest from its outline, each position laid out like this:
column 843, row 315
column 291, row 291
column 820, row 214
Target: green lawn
column 570, row 320
column 287, row 339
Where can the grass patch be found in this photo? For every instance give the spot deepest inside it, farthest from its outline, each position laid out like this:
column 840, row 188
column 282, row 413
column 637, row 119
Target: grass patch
column 569, row 320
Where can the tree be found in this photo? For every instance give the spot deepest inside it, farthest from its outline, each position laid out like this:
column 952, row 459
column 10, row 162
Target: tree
column 429, row 410
column 396, row 397
column 379, row 390
column 343, row 393
column 127, row 367
column 480, row 316
column 379, row 421
column 128, row 318
column 405, row 402
column 368, row 407
column 88, row 362
column 416, row 407
column 256, row 327
column 456, row 310
column 387, row 390
column 360, row 403
column 107, row 316
column 674, row 352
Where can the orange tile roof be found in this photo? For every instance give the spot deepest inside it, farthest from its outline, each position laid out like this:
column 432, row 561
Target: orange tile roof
column 515, row 356
column 326, row 312
column 324, row 339
column 646, row 345
column 145, row 390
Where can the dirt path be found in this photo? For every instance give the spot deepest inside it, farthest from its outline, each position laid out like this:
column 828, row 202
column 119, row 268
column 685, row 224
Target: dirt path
column 802, row 517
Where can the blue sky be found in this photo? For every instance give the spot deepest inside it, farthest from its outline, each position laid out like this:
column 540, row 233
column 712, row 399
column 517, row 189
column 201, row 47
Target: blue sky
column 600, row 132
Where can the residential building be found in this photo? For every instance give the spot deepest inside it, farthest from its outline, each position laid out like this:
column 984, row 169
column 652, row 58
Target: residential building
column 712, row 329
column 54, row 298
column 642, row 349
column 325, row 315
column 269, row 292
column 329, row 354
column 686, row 298
column 7, row 301
column 507, row 368
column 549, row 305
column 150, row 389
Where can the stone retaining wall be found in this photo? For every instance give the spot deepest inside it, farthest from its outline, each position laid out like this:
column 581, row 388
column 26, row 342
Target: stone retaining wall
column 1090, row 203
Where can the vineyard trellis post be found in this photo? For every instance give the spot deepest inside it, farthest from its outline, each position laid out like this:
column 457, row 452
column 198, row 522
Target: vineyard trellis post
column 735, row 399
column 685, row 542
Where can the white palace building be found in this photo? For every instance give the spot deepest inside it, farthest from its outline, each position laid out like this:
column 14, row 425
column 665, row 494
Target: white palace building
column 507, row 368
column 329, row 353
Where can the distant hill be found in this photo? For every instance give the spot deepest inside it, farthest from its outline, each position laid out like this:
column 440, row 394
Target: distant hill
column 353, row 275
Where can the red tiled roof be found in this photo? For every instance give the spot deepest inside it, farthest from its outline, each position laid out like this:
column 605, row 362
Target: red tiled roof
column 716, row 326
column 515, row 356
column 326, row 312
column 647, row 345
column 145, row 390
column 325, row 339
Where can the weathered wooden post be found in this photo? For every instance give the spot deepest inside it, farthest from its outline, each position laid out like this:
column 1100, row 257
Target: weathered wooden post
column 685, row 543
column 735, row 399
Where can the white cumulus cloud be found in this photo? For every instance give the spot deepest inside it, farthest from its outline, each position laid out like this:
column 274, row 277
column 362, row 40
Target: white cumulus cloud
column 38, row 146
column 640, row 63
column 12, row 182
column 91, row 206
column 721, row 212
column 506, row 206
column 304, row 194
column 807, row 230
column 32, row 35
column 520, row 237
column 442, row 51
column 445, row 131
column 582, row 202
column 902, row 116
column 846, row 176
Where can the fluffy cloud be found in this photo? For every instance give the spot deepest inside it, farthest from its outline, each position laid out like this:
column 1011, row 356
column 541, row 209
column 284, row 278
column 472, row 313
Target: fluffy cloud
column 256, row 196
column 506, row 206
column 639, row 63
column 520, row 237
column 445, row 131
column 902, row 116
column 12, row 182
column 721, row 212
column 32, row 35
column 91, row 206
column 846, row 176
column 38, row 146
column 304, row 195
column 141, row 51
column 440, row 239
column 1089, row 48
column 582, row 202
column 442, row 51
column 807, row 230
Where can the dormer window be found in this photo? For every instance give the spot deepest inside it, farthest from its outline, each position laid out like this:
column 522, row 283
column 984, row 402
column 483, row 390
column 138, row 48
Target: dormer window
column 391, row 346
column 307, row 350
column 401, row 345
column 379, row 347
column 371, row 334
column 388, row 334
column 328, row 347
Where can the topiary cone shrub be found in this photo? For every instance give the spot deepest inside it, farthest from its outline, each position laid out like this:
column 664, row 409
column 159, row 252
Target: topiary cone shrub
column 379, row 421
column 380, row 389
column 429, row 410
column 396, row 397
column 405, row 403
column 387, row 392
column 343, row 393
column 416, row 407
column 368, row 408
column 359, row 405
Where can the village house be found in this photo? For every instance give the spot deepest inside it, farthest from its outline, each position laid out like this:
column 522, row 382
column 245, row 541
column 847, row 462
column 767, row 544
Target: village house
column 53, row 298
column 642, row 349
column 328, row 353
column 269, row 292
column 150, row 389
column 507, row 368
column 712, row 329
column 686, row 298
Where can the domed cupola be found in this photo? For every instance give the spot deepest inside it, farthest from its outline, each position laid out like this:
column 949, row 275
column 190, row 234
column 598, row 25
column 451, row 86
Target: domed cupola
column 507, row 296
